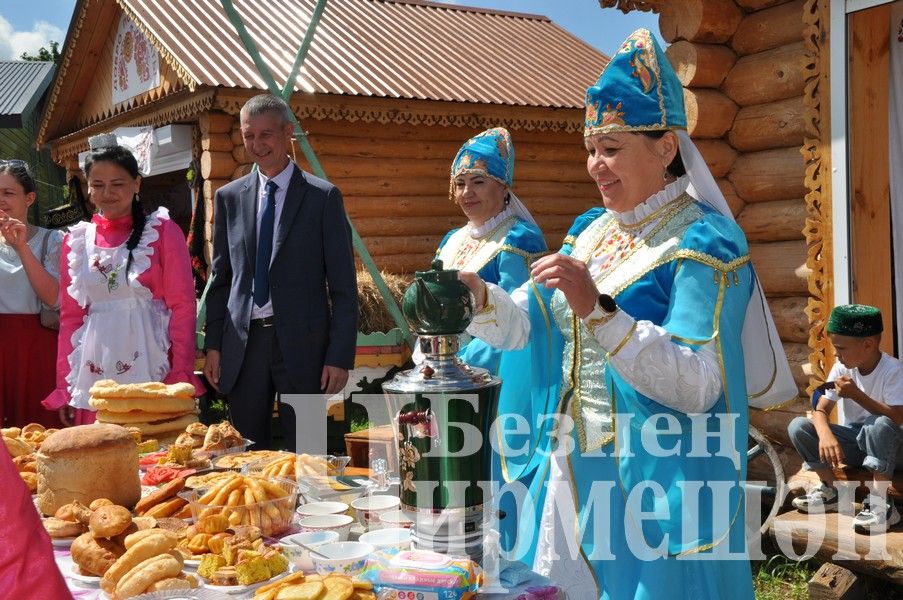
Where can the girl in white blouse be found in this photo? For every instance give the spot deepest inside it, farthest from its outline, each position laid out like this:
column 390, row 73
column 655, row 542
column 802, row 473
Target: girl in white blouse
column 29, row 279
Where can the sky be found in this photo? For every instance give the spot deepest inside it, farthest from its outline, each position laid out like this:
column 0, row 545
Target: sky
column 26, row 25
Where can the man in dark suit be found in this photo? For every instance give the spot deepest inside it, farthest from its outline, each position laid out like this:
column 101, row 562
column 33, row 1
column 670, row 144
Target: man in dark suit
column 282, row 308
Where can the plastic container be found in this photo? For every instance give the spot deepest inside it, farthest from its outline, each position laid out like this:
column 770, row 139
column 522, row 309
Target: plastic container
column 341, row 524
column 299, row 555
column 272, row 516
column 344, row 558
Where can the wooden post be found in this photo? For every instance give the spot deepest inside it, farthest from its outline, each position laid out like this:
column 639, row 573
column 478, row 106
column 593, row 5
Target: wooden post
column 773, row 221
column 710, row 113
column 700, row 65
column 833, row 582
column 768, row 76
column 712, row 21
column 752, row 5
column 781, row 267
column 772, row 125
column 770, row 28
column 870, row 231
column 718, row 155
column 215, row 122
column 769, row 175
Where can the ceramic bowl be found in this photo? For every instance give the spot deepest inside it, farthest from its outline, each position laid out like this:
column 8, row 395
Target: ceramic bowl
column 393, row 538
column 312, row 509
column 344, row 558
column 369, row 508
column 394, row 518
column 341, row 524
column 300, row 557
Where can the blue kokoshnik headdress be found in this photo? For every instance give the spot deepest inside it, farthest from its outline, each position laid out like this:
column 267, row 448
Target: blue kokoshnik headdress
column 637, row 91
column 490, row 153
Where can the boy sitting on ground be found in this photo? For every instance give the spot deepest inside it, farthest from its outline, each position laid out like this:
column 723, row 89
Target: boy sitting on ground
column 868, row 388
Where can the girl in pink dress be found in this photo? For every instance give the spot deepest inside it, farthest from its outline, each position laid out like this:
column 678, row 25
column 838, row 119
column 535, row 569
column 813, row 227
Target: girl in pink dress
column 127, row 309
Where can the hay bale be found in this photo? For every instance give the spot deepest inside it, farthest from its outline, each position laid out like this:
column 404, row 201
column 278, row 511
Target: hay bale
column 373, row 314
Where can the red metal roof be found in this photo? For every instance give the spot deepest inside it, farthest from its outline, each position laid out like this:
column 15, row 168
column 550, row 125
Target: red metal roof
column 384, row 48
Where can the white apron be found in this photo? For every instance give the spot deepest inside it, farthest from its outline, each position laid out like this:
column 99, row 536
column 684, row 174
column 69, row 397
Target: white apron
column 125, row 335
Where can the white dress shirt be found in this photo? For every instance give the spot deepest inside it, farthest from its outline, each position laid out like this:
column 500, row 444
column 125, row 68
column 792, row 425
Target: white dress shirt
column 281, row 180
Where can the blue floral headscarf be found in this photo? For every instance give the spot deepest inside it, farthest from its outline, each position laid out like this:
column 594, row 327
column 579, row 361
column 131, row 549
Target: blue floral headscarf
column 637, row 91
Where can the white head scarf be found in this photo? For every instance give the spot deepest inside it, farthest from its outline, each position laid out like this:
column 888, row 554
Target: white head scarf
column 768, row 378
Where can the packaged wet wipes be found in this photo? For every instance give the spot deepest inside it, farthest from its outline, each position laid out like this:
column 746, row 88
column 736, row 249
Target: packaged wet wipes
column 422, row 575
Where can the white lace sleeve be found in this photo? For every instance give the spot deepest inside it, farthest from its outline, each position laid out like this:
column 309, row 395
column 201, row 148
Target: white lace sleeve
column 503, row 323
column 52, row 258
column 647, row 358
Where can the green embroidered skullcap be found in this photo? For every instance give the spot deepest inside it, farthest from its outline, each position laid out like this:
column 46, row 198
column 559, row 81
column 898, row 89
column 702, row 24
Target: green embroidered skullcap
column 855, row 320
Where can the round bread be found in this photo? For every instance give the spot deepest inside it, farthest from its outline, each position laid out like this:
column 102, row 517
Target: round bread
column 165, row 426
column 100, row 502
column 147, row 573
column 17, row 447
column 32, row 427
column 138, row 416
column 95, row 556
column 107, row 388
column 149, row 405
column 58, row 528
column 74, row 511
column 31, row 481
column 87, row 462
column 110, row 520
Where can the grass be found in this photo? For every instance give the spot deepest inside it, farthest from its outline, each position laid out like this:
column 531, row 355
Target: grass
column 780, row 578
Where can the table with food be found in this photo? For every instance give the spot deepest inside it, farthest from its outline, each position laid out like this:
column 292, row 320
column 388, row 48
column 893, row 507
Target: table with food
column 194, row 514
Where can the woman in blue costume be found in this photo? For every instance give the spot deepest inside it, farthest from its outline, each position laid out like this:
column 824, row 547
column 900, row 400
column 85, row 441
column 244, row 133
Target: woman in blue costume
column 499, row 242
column 639, row 328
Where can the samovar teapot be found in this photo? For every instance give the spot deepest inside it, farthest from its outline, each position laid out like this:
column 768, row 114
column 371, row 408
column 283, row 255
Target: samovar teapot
column 438, row 407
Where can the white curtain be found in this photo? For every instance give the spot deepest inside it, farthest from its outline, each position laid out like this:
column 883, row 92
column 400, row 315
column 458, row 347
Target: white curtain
column 896, row 160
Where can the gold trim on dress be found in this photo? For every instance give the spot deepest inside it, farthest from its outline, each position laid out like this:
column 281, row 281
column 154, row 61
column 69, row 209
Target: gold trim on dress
column 623, row 342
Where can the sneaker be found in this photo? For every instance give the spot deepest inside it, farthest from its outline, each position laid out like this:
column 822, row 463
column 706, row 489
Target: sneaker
column 877, row 519
column 819, row 499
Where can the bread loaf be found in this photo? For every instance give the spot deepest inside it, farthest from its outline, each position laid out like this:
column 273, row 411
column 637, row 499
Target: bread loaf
column 87, row 462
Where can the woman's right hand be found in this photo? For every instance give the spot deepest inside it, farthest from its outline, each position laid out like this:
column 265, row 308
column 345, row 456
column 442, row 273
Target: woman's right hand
column 477, row 288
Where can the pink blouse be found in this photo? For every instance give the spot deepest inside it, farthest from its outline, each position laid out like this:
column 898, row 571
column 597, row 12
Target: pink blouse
column 169, row 278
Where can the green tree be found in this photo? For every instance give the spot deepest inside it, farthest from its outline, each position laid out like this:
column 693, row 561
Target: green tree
column 45, row 55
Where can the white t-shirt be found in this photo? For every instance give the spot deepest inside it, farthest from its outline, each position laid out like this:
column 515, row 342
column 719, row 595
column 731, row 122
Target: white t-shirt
column 884, row 384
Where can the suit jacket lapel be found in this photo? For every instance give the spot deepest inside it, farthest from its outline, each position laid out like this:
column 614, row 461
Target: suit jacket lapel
column 294, row 197
column 247, row 200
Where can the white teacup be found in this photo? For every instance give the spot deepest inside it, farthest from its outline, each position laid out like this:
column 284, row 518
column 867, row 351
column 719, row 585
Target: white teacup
column 369, row 508
column 394, row 518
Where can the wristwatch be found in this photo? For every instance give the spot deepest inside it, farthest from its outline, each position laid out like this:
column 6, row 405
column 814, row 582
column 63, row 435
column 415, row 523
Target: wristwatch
column 604, row 310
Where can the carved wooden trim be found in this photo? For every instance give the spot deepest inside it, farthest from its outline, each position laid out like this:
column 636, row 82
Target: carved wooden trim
column 427, row 113
column 173, row 109
column 817, row 154
column 74, row 31
column 625, row 6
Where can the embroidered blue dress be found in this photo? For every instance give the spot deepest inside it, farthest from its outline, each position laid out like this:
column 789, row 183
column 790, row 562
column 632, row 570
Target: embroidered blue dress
column 686, row 270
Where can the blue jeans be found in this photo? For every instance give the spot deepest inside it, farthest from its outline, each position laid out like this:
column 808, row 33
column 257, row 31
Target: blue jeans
column 876, row 444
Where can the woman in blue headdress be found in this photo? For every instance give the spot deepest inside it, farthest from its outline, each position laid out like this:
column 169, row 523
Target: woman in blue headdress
column 499, row 242
column 650, row 338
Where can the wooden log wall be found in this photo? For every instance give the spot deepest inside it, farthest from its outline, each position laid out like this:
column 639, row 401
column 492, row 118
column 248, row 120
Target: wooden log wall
column 742, row 66
column 395, row 179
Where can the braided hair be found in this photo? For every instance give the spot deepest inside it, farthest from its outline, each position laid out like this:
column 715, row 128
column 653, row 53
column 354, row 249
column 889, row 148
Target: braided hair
column 122, row 157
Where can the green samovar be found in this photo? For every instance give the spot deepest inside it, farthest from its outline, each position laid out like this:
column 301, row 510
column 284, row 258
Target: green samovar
column 443, row 414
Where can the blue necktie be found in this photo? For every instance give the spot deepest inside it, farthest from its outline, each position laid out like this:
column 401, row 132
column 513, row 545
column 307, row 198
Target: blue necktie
column 265, row 247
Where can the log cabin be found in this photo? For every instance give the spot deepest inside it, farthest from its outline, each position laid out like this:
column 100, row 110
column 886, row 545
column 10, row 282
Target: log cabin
column 388, row 93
